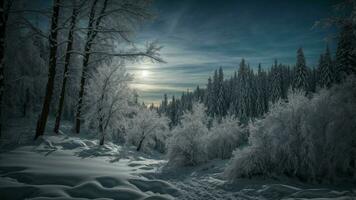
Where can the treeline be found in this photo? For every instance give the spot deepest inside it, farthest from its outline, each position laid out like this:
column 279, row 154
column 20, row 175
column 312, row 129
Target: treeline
column 248, row 94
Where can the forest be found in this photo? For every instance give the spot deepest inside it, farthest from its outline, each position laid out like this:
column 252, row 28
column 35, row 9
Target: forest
column 73, row 127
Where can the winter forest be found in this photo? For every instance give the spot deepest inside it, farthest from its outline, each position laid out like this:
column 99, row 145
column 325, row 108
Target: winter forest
column 74, row 123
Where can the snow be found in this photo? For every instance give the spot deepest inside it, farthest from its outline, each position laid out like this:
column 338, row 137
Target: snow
column 60, row 174
column 70, row 166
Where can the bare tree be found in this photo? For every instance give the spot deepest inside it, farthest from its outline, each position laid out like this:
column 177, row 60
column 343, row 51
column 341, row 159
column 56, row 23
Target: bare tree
column 97, row 25
column 53, row 43
column 91, row 34
column 70, row 40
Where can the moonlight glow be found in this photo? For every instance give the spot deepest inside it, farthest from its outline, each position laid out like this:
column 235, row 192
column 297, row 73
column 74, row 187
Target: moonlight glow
column 144, row 74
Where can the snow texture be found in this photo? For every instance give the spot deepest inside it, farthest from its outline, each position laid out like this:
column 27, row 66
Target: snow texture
column 75, row 167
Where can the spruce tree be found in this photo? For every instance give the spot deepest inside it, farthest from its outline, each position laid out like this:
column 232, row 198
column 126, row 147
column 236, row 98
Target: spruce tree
column 326, row 70
column 260, row 107
column 209, row 98
column 301, row 72
column 275, row 82
column 243, row 92
column 346, row 53
column 220, row 102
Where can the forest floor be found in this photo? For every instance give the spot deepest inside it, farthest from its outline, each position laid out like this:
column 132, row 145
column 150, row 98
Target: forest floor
column 69, row 166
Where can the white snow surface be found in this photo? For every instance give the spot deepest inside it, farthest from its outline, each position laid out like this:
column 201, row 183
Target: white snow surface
column 69, row 166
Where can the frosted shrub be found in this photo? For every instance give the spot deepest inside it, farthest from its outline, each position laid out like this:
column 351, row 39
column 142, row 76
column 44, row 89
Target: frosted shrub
column 187, row 145
column 311, row 139
column 148, row 131
column 224, row 137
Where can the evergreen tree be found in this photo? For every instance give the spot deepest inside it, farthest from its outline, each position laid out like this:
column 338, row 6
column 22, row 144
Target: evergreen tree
column 301, row 72
column 251, row 93
column 243, row 92
column 276, row 91
column 346, row 53
column 233, row 109
column 164, row 105
column 209, row 98
column 220, row 101
column 173, row 113
column 325, row 69
column 320, row 69
column 260, row 107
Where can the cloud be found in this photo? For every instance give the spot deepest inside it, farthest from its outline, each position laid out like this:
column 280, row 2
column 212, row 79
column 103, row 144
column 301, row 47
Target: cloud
column 200, row 36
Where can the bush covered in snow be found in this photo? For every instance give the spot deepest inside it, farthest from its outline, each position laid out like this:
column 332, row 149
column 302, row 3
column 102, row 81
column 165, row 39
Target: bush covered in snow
column 224, row 138
column 312, row 139
column 147, row 131
column 187, row 145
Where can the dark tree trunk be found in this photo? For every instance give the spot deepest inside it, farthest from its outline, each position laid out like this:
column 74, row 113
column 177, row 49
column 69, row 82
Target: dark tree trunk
column 81, row 91
column 85, row 65
column 42, row 120
column 4, row 11
column 2, row 59
column 102, row 140
column 26, row 103
column 101, row 131
column 90, row 39
column 140, row 143
column 66, row 66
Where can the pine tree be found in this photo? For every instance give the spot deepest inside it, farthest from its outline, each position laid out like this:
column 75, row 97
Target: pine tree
column 251, row 93
column 209, row 98
column 325, row 69
column 276, row 91
column 260, row 107
column 173, row 112
column 320, row 70
column 164, row 105
column 220, row 102
column 301, row 72
column 233, row 109
column 243, row 92
column 346, row 53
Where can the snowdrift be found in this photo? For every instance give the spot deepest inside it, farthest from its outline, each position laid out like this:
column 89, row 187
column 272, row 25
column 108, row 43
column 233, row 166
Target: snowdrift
column 62, row 167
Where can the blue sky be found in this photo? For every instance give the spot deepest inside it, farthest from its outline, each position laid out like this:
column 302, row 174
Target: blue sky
column 199, row 36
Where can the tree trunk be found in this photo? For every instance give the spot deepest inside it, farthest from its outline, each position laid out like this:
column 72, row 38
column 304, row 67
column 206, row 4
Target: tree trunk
column 66, row 66
column 102, row 133
column 87, row 48
column 101, row 129
column 140, row 143
column 2, row 55
column 42, row 120
column 26, row 103
column 102, row 140
column 4, row 14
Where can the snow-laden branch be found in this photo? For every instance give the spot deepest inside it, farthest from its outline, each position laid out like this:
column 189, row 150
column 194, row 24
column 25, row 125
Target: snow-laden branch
column 151, row 52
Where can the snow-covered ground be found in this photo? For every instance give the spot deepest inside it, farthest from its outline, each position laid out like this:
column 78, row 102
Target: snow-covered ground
column 68, row 166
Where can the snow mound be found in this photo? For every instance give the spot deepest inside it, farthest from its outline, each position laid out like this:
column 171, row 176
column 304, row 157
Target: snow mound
column 53, row 170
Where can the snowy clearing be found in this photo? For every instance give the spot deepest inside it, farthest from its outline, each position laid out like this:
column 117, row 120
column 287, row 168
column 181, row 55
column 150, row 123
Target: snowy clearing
column 72, row 167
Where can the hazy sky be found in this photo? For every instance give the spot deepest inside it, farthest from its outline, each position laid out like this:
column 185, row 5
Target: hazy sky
column 199, row 36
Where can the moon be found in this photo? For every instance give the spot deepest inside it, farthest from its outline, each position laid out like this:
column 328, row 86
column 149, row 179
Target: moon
column 144, row 74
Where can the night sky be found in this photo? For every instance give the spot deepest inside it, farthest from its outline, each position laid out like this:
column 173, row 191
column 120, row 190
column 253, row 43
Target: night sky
column 200, row 36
